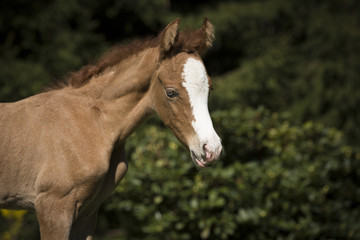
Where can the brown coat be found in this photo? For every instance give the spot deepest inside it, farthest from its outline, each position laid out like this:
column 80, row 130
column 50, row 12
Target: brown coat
column 62, row 151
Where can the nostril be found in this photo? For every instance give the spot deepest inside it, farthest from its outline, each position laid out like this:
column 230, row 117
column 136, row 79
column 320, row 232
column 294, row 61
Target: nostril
column 205, row 147
column 207, row 151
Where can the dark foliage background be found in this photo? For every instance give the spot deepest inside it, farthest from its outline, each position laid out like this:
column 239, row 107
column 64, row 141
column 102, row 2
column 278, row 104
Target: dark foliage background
column 286, row 99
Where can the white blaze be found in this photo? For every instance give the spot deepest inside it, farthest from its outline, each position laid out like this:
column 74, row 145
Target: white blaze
column 196, row 84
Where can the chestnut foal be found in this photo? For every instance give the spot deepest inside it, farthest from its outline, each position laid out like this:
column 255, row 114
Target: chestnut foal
column 62, row 151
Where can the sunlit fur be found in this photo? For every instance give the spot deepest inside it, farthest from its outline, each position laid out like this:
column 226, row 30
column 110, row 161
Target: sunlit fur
column 62, row 152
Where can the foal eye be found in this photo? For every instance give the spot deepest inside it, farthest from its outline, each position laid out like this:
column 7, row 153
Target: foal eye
column 171, row 93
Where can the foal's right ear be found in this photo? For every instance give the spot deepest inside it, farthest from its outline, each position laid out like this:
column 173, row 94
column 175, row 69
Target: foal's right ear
column 167, row 37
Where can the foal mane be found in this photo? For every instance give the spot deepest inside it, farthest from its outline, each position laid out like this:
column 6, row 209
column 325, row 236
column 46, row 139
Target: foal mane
column 188, row 41
column 111, row 57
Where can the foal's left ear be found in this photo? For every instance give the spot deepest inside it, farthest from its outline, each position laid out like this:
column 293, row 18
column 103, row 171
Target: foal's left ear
column 208, row 36
column 208, row 29
column 167, row 37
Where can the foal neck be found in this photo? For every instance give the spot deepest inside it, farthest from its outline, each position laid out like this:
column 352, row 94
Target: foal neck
column 131, row 75
column 121, row 93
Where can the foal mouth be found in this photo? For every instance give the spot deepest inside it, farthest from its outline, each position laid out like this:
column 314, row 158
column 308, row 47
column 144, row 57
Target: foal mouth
column 199, row 162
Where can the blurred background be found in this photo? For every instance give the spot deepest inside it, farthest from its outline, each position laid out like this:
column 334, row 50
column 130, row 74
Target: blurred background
column 286, row 104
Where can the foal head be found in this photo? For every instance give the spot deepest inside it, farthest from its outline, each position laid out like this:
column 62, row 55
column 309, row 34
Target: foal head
column 181, row 88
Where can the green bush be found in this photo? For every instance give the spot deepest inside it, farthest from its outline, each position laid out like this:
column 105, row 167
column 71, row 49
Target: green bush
column 277, row 181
